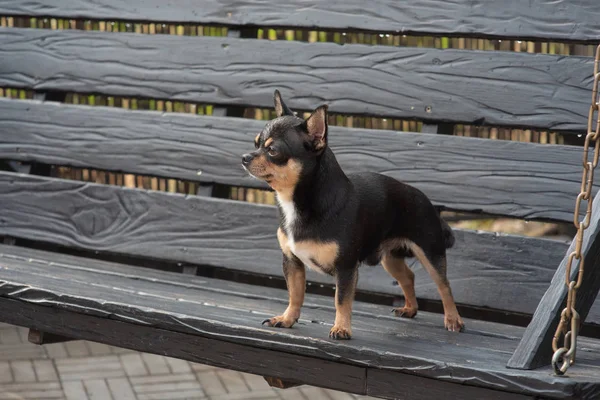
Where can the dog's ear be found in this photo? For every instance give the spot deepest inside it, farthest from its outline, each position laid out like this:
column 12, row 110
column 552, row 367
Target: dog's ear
column 316, row 126
column 280, row 107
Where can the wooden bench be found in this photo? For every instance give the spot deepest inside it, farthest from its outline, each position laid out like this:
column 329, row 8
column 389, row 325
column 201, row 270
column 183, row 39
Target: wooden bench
column 71, row 265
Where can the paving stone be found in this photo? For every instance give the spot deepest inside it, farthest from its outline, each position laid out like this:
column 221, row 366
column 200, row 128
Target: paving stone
column 211, row 383
column 196, row 367
column 10, row 336
column 133, row 364
column 233, row 381
column 336, row 395
column 145, row 380
column 178, row 366
column 121, row 389
column 77, row 348
column 171, row 387
column 42, row 394
column 260, row 395
column 56, row 350
column 11, row 352
column 23, row 334
column 156, row 364
column 98, row 349
column 97, row 389
column 101, row 367
column 291, row 394
column 45, row 370
column 33, row 391
column 312, row 392
column 256, row 382
column 182, row 395
column 74, row 390
column 5, row 372
column 23, row 371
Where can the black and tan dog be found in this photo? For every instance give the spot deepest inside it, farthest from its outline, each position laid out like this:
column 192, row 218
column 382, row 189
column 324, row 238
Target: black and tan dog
column 332, row 222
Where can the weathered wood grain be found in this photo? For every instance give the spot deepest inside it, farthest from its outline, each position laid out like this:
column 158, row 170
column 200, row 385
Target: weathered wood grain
column 486, row 270
column 535, row 349
column 386, row 385
column 498, row 177
column 220, row 325
column 503, row 88
column 559, row 20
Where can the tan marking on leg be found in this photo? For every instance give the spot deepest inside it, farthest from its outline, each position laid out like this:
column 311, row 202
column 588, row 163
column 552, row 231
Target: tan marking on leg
column 398, row 269
column 295, row 279
column 452, row 319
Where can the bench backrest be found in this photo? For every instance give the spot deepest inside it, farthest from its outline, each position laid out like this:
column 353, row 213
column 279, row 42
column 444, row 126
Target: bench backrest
column 437, row 86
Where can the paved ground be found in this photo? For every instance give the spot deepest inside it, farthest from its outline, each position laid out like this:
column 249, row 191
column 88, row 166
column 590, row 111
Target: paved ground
column 91, row 371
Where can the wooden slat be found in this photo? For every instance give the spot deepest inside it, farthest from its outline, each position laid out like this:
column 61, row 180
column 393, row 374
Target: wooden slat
column 498, row 177
column 558, row 20
column 535, row 349
column 218, row 323
column 513, row 89
column 486, row 270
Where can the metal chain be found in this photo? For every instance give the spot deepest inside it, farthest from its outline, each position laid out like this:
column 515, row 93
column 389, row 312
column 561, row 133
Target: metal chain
column 564, row 356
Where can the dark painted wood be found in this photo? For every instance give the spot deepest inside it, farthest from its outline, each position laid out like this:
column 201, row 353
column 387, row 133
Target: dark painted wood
column 486, row 270
column 38, row 337
column 557, row 20
column 508, row 88
column 123, row 307
column 193, row 348
column 535, row 349
column 388, row 385
column 496, row 177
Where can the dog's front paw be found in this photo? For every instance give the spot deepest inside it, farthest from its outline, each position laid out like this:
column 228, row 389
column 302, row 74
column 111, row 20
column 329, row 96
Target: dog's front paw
column 280, row 321
column 340, row 333
column 454, row 323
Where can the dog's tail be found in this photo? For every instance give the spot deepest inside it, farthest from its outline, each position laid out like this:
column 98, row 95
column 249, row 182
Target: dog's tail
column 449, row 238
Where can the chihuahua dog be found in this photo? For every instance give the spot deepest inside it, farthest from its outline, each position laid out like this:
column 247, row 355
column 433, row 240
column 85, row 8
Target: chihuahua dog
column 332, row 222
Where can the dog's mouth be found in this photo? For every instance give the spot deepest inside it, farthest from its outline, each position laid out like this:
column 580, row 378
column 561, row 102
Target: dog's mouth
column 262, row 177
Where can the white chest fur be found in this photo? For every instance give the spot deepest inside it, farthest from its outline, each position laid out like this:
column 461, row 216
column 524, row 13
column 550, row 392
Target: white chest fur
column 315, row 255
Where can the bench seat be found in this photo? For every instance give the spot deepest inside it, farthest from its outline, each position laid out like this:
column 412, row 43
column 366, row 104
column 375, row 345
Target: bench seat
column 218, row 322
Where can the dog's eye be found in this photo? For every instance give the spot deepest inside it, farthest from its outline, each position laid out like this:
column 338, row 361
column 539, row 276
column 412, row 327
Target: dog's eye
column 272, row 151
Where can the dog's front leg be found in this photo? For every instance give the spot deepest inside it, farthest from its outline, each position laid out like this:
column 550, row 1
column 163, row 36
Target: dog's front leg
column 295, row 279
column 346, row 279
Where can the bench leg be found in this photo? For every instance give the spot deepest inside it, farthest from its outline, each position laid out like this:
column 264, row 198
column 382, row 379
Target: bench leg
column 280, row 383
column 39, row 337
column 535, row 348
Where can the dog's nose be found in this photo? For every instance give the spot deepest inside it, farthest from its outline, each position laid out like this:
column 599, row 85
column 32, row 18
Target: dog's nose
column 246, row 158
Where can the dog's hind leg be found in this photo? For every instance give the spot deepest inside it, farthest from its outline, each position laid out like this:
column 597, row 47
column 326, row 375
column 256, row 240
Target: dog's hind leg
column 436, row 267
column 398, row 269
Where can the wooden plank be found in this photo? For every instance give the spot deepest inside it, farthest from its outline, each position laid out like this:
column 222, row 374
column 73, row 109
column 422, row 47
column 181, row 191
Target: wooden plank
column 53, row 297
column 496, row 177
column 512, row 89
column 241, row 236
column 387, row 385
column 559, row 20
column 535, row 348
column 219, row 353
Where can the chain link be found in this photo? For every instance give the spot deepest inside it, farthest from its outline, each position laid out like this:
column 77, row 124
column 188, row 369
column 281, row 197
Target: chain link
column 564, row 356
